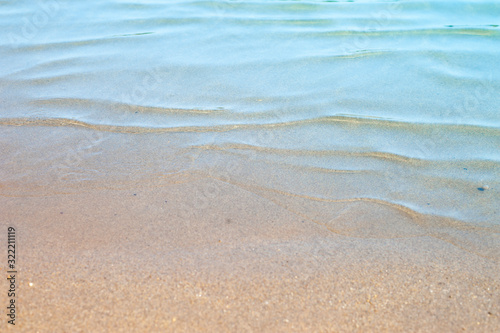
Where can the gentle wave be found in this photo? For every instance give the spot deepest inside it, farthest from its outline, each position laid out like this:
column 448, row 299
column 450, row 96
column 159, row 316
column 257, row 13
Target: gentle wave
column 492, row 130
column 477, row 239
column 372, row 154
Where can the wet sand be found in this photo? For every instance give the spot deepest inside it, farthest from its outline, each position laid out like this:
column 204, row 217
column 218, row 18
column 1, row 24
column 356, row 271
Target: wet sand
column 104, row 260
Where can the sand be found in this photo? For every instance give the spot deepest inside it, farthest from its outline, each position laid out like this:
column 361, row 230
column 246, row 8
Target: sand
column 125, row 260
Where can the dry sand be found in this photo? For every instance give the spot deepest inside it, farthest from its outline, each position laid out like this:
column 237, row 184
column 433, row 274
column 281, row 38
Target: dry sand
column 106, row 260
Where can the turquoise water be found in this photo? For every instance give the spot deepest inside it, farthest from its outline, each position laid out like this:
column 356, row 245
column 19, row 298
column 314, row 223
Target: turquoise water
column 392, row 101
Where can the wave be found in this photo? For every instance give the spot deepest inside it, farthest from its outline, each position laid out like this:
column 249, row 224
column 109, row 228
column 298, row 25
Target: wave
column 378, row 122
column 355, row 217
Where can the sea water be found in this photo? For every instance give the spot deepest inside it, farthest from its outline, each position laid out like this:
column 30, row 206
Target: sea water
column 385, row 108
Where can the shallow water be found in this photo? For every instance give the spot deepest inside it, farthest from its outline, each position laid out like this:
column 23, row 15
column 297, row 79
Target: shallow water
column 320, row 106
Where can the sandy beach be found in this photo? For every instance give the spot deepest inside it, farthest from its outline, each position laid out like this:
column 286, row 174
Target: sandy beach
column 121, row 261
